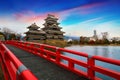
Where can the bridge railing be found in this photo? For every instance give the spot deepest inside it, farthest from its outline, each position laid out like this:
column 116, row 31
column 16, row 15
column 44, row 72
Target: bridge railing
column 55, row 55
column 12, row 68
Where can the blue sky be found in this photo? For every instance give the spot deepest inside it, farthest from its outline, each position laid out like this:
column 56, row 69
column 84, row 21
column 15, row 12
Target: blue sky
column 77, row 17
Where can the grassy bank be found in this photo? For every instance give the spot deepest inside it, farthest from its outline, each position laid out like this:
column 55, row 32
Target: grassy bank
column 63, row 43
column 57, row 43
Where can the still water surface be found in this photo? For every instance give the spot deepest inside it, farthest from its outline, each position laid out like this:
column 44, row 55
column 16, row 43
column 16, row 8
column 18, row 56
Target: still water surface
column 106, row 51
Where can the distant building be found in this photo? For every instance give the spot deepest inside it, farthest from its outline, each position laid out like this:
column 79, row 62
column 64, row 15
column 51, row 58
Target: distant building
column 69, row 40
column 53, row 31
column 104, row 35
column 94, row 37
column 34, row 33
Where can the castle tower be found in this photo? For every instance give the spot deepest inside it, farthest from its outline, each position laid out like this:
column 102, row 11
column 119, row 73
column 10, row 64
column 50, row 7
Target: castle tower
column 53, row 31
column 34, row 33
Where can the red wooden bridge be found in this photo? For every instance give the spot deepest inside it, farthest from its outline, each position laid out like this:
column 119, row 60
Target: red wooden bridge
column 33, row 61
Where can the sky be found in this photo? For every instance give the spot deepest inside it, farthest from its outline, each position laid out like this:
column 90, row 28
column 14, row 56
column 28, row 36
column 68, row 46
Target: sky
column 76, row 17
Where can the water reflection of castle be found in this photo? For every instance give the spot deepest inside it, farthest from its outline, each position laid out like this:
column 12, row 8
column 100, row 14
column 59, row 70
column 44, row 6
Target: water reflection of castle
column 50, row 31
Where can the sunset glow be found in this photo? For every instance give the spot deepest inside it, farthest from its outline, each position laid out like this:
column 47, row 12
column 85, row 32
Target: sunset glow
column 77, row 17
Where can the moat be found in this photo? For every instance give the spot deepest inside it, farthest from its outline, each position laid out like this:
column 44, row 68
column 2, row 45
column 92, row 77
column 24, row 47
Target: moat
column 105, row 51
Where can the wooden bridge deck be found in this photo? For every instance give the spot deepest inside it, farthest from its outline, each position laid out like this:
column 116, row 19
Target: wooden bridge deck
column 41, row 68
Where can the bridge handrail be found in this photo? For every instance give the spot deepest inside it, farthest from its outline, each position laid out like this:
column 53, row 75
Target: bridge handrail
column 12, row 68
column 56, row 57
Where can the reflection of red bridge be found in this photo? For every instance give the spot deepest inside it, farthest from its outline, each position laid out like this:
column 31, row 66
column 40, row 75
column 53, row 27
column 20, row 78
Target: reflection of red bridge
column 13, row 69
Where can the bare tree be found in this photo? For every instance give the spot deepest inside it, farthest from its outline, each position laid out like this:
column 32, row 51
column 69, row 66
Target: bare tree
column 6, row 30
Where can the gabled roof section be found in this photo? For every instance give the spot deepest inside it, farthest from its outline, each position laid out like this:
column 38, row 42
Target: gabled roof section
column 33, row 26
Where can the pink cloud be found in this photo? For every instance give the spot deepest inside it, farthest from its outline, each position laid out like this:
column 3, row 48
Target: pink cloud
column 30, row 16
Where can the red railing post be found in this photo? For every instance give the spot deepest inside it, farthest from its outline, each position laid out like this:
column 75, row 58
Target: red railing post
column 91, row 72
column 58, row 55
column 48, row 56
column 41, row 50
column 71, row 65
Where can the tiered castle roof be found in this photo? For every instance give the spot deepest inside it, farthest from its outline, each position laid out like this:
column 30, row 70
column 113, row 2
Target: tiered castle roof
column 33, row 29
column 51, row 29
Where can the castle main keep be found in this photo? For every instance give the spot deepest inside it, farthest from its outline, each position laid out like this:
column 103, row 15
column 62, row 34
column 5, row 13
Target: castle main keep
column 51, row 30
